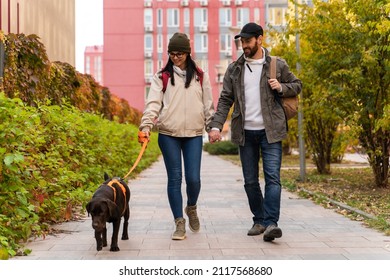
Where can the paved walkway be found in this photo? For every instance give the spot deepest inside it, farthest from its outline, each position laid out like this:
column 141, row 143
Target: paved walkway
column 310, row 232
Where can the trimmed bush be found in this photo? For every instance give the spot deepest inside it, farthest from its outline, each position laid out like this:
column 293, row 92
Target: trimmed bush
column 221, row 148
column 52, row 159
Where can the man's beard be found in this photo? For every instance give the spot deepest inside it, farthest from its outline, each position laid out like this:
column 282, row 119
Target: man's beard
column 250, row 52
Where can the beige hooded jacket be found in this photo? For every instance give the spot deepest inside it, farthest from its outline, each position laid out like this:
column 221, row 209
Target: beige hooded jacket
column 179, row 111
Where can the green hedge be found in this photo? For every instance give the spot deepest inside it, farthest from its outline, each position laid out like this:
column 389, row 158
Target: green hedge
column 52, row 159
column 221, row 148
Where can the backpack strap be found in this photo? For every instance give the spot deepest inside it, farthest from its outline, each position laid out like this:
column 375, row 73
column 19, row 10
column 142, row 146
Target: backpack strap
column 165, row 77
column 272, row 68
column 200, row 76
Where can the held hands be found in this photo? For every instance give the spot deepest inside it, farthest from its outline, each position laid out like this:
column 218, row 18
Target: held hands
column 214, row 136
column 143, row 136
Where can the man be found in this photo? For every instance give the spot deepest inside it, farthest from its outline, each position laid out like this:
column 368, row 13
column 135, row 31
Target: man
column 258, row 123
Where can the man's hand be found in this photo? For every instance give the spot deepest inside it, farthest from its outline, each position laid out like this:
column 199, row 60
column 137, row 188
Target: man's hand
column 274, row 84
column 214, row 136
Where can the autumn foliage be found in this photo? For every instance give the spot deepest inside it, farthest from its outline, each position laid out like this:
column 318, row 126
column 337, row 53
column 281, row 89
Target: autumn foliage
column 30, row 76
column 59, row 132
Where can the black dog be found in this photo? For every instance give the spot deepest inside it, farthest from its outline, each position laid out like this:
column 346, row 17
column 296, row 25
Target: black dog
column 108, row 204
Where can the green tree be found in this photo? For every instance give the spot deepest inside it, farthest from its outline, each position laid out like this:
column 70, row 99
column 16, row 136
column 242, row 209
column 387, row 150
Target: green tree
column 370, row 87
column 348, row 72
column 320, row 120
column 321, row 58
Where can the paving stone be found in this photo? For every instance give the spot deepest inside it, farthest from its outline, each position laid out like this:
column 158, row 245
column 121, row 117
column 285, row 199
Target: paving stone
column 310, row 232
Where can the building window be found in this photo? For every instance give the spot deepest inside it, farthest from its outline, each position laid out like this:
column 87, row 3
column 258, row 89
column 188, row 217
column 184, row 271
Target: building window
column 242, row 16
column 223, row 64
column 257, row 16
column 160, row 43
column 149, row 68
column 277, row 16
column 201, row 44
column 148, row 17
column 87, row 65
column 203, row 64
column 225, row 43
column 225, row 17
column 147, row 89
column 148, row 42
column 200, row 17
column 98, row 68
column 169, row 36
column 186, row 14
column 173, row 17
column 160, row 64
column 159, row 17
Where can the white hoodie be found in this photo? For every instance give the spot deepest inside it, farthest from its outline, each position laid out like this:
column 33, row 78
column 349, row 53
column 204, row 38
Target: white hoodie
column 253, row 115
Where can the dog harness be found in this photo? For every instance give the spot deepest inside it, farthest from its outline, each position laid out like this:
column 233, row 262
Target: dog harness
column 115, row 181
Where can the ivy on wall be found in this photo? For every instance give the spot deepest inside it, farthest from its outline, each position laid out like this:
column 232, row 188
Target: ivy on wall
column 30, row 76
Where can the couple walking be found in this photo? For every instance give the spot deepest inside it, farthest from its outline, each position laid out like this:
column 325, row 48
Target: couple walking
column 181, row 108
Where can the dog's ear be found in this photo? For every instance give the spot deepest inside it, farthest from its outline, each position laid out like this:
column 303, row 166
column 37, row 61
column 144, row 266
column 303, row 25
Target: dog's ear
column 106, row 177
column 88, row 207
column 112, row 208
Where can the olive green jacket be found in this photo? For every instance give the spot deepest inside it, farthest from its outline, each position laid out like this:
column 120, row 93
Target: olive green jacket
column 233, row 94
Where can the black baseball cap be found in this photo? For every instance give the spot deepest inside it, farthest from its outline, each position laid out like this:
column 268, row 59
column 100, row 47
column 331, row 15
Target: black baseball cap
column 250, row 30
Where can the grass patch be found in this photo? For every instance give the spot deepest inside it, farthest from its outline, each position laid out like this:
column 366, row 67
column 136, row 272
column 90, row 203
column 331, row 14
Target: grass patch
column 349, row 183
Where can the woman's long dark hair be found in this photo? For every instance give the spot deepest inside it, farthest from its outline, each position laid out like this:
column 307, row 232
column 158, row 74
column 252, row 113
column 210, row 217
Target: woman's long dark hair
column 191, row 70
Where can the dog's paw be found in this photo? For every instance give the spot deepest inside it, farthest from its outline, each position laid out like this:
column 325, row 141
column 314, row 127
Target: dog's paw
column 99, row 248
column 104, row 244
column 125, row 237
column 114, row 249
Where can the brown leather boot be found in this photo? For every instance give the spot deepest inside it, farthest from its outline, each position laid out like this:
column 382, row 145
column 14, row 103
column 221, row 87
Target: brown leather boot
column 192, row 218
column 180, row 232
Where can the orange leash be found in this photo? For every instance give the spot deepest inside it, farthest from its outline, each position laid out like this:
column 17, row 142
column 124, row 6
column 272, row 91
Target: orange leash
column 144, row 144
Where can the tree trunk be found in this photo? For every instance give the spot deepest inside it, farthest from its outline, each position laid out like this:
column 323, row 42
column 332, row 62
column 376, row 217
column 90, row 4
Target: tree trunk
column 320, row 133
column 377, row 145
column 380, row 167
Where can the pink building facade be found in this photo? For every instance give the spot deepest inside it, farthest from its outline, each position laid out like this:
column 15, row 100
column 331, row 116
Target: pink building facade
column 137, row 32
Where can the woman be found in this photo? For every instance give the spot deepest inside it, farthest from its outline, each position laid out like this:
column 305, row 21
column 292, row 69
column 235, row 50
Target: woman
column 181, row 110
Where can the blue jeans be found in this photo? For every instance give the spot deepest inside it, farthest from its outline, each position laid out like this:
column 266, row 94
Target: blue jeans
column 172, row 149
column 265, row 210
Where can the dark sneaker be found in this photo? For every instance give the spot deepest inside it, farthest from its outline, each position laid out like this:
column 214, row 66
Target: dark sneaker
column 271, row 233
column 180, row 232
column 257, row 229
column 193, row 219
